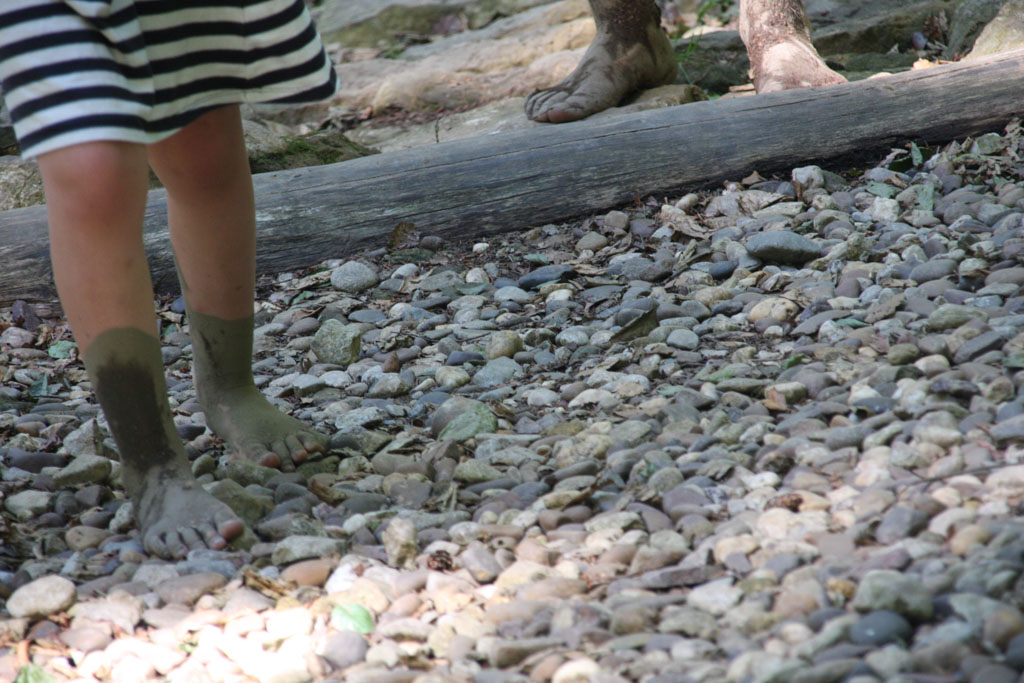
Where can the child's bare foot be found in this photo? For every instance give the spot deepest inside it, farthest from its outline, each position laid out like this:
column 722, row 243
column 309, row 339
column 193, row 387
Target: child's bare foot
column 173, row 513
column 235, row 409
column 629, row 53
column 176, row 515
column 257, row 431
column 778, row 40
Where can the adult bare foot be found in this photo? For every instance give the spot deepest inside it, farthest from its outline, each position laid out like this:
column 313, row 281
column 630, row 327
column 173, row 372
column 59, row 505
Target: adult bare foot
column 778, row 40
column 172, row 511
column 235, row 409
column 630, row 52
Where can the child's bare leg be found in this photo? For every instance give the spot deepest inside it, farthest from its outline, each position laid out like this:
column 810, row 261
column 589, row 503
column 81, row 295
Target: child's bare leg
column 96, row 194
column 630, row 52
column 210, row 207
column 778, row 40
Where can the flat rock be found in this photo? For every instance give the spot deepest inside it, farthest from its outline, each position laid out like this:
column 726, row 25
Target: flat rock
column 43, row 597
column 782, row 246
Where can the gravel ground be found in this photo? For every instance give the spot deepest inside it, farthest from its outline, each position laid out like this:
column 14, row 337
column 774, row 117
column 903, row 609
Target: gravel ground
column 766, row 434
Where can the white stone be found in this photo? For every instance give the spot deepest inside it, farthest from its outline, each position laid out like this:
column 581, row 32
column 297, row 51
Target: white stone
column 715, row 598
column 42, row 597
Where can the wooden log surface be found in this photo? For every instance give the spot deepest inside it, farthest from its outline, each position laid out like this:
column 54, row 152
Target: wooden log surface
column 485, row 185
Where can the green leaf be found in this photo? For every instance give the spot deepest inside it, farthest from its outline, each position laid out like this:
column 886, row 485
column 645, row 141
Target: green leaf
column 926, row 197
column 915, row 154
column 33, row 673
column 720, row 375
column 62, row 349
column 467, row 288
column 882, row 190
column 1015, row 361
column 796, row 359
column 352, row 617
column 40, row 388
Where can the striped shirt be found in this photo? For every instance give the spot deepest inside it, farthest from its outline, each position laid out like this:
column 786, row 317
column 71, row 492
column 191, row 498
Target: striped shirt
column 75, row 71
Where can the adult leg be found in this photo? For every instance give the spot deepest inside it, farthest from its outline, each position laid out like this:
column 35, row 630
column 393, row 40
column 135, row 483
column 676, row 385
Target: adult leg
column 212, row 221
column 778, row 39
column 630, row 52
column 96, row 195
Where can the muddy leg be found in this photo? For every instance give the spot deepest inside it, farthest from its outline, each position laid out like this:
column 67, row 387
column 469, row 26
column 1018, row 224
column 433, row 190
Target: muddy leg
column 212, row 221
column 778, row 40
column 96, row 194
column 629, row 53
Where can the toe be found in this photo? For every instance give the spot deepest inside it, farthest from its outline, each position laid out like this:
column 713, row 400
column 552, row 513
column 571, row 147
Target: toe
column 312, row 442
column 295, row 448
column 212, row 538
column 229, row 528
column 154, row 545
column 284, row 455
column 540, row 105
column 167, row 545
column 561, row 116
column 270, row 459
column 192, row 538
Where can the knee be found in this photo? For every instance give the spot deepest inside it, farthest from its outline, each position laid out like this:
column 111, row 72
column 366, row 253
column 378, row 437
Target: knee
column 205, row 158
column 96, row 176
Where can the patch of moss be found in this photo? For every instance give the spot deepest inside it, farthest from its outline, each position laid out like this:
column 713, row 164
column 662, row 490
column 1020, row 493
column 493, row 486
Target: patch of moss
column 318, row 149
column 394, row 27
column 411, row 255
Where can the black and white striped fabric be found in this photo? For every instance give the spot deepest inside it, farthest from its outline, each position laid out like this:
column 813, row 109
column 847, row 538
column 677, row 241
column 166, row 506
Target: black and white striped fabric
column 76, row 71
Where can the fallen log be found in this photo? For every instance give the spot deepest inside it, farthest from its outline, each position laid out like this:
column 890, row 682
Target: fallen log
column 476, row 187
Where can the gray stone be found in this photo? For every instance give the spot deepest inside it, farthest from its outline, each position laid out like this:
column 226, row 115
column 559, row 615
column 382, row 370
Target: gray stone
column 400, row 543
column 497, row 372
column 480, row 562
column 503, row 343
column 461, row 418
column 337, row 343
column 248, row 507
column 948, row 316
column 185, row 590
column 84, row 469
column 900, row 522
column 1005, row 32
column 592, row 241
column 881, row 628
column 537, row 277
column 683, row 339
column 782, row 246
column 388, row 385
column 86, row 440
column 28, row 504
column 344, row 649
column 935, row 269
column 968, row 20
column 295, row 548
column 1011, row 429
column 475, row 472
column 972, row 348
column 353, row 276
column 886, row 589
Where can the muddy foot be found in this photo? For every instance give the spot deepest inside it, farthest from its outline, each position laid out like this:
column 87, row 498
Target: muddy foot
column 176, row 515
column 629, row 53
column 257, row 431
column 792, row 64
column 778, row 39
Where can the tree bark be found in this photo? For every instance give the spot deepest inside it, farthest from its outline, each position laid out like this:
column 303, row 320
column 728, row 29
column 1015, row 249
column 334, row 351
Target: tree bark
column 468, row 189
